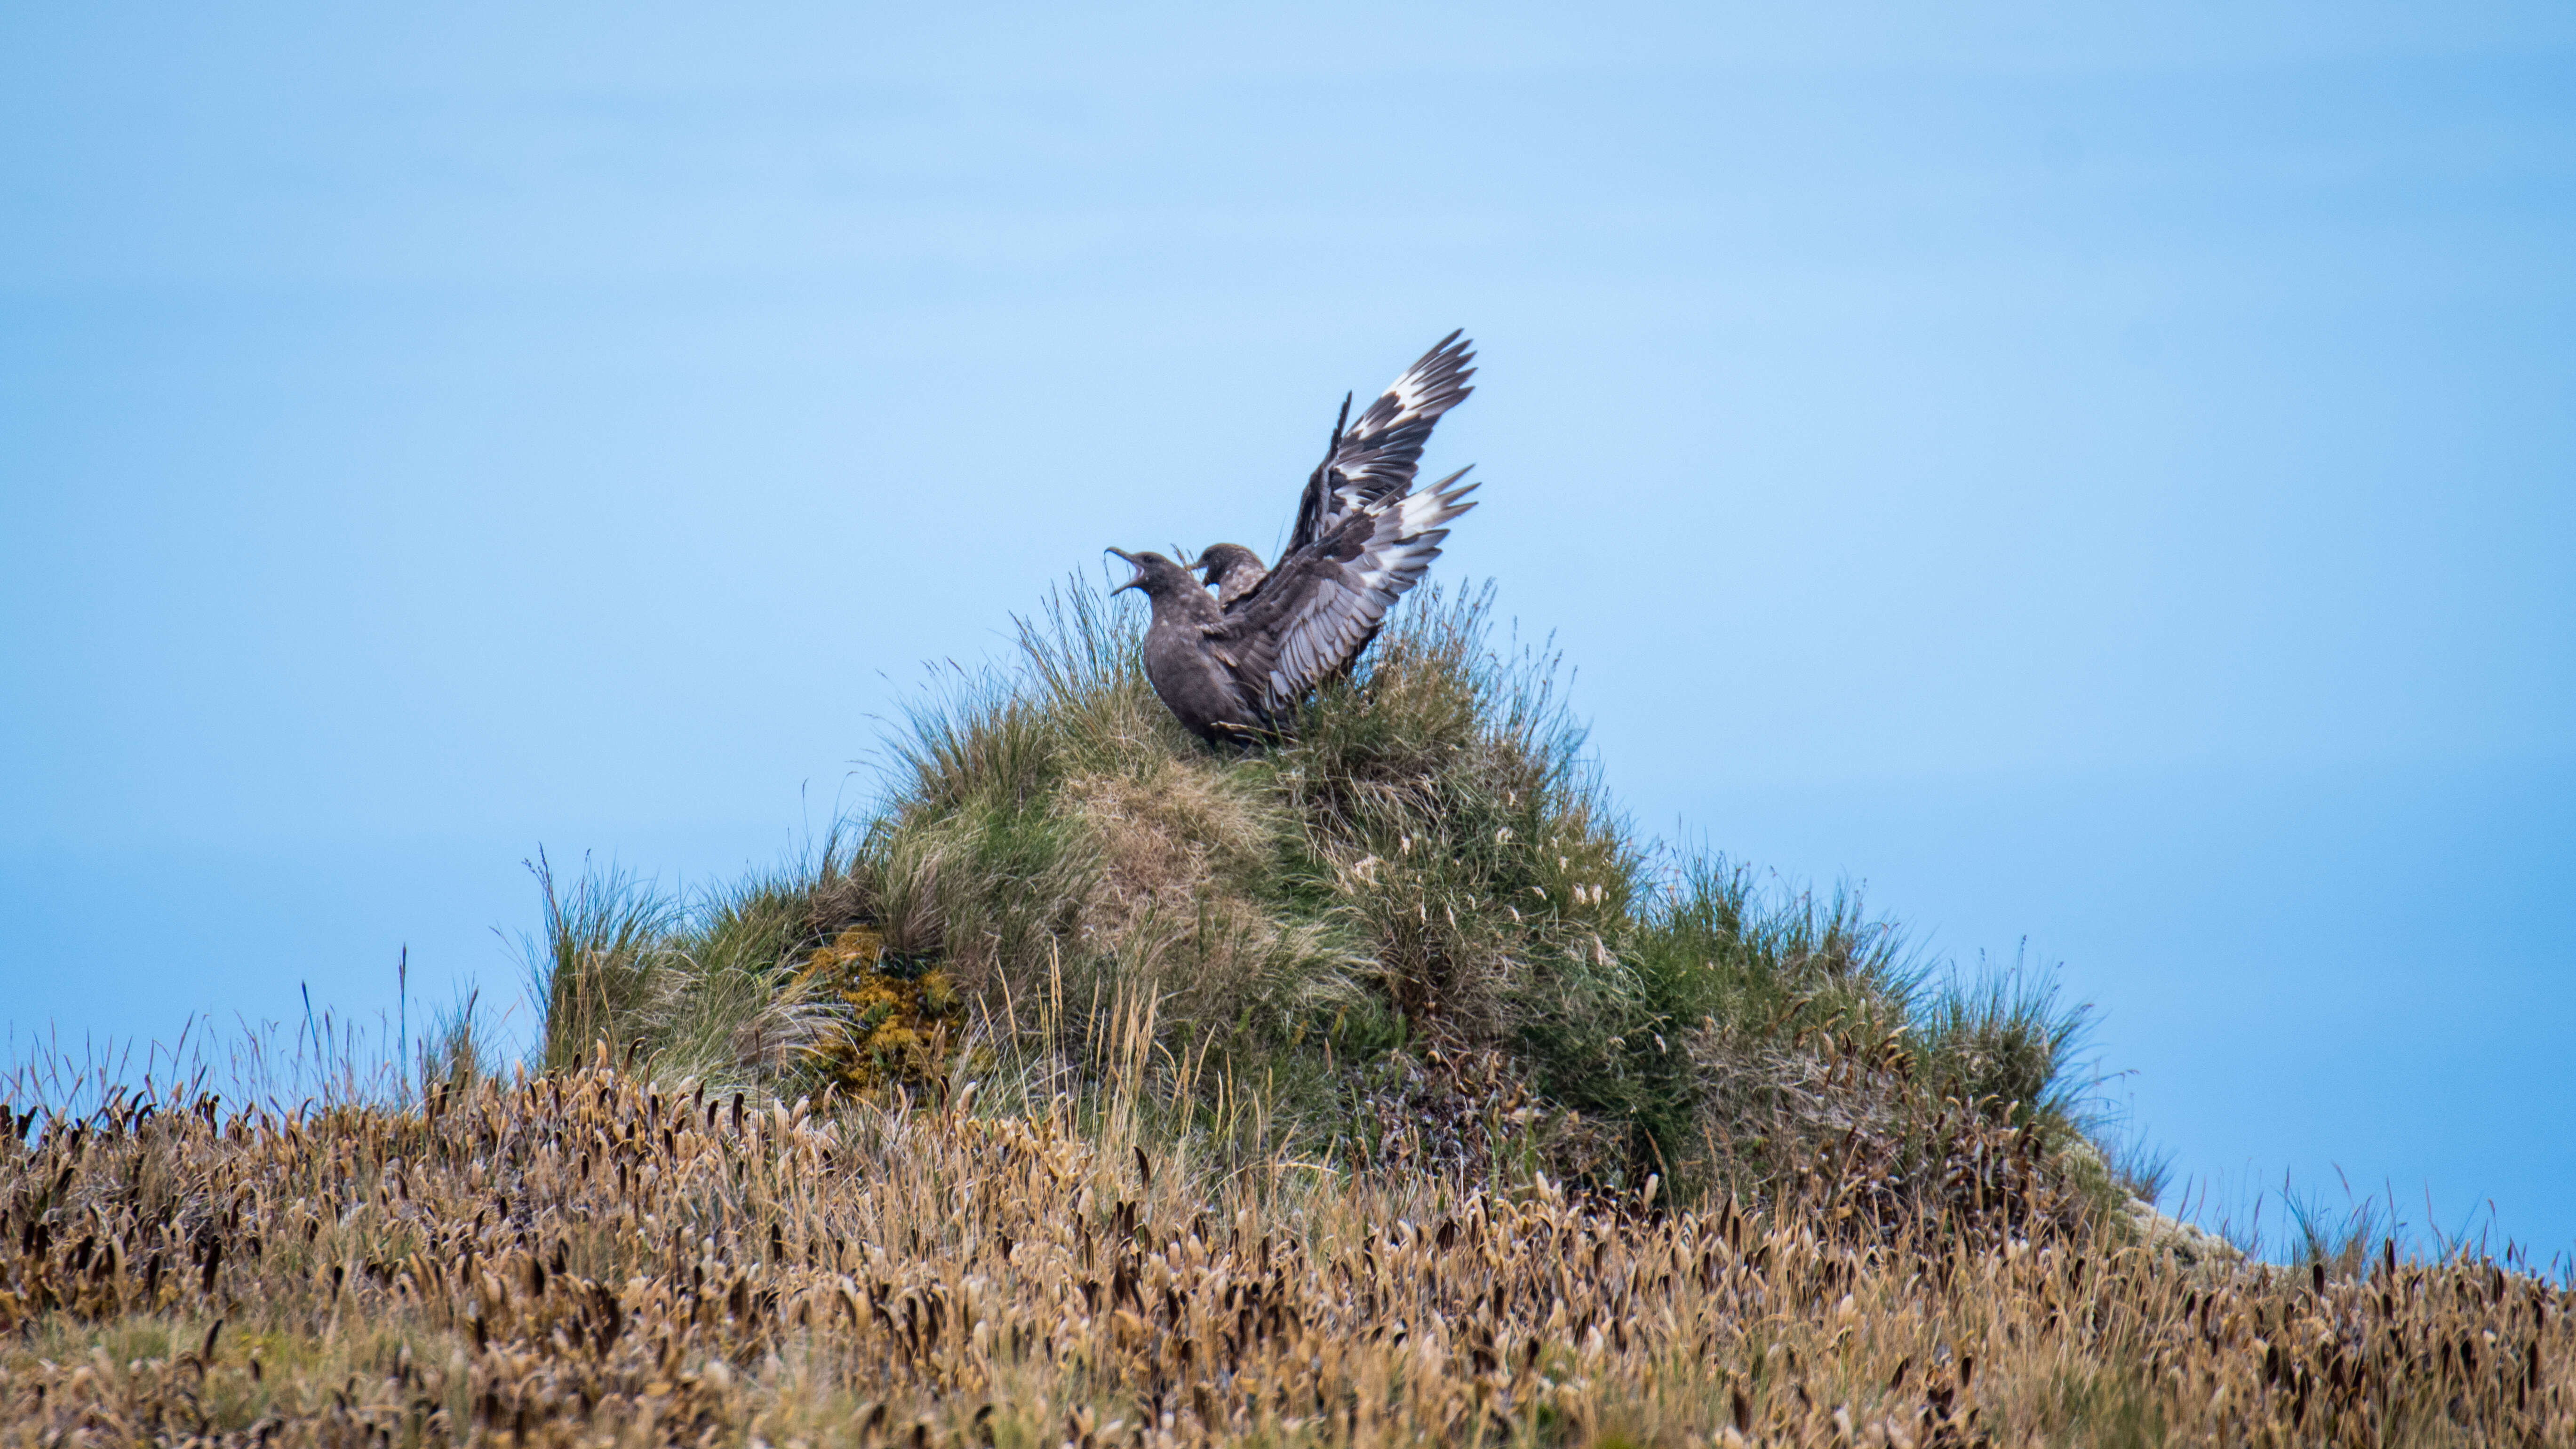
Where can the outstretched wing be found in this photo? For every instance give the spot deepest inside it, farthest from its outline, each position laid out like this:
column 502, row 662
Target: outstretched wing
column 1323, row 603
column 1373, row 457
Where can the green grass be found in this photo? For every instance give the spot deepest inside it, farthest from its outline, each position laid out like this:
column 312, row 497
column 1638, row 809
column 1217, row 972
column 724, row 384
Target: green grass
column 1423, row 907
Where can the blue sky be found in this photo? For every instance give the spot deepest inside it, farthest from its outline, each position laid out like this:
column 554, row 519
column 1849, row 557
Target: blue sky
column 2103, row 481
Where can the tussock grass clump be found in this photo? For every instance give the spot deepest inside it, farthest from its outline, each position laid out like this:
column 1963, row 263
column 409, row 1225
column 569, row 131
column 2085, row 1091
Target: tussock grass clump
column 623, row 965
column 1053, row 833
column 592, row 1257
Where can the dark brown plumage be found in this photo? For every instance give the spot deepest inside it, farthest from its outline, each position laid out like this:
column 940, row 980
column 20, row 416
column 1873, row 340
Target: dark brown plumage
column 1232, row 665
column 1198, row 684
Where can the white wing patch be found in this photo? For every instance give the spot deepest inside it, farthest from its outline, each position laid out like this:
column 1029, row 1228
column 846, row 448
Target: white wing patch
column 1346, row 604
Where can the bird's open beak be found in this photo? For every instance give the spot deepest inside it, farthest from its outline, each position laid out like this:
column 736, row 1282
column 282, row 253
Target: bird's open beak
column 1131, row 583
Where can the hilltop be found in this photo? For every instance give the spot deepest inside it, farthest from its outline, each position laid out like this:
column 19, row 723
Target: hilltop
column 1100, row 1087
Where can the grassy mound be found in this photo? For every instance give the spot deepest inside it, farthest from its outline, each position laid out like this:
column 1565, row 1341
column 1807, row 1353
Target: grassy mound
column 1417, row 929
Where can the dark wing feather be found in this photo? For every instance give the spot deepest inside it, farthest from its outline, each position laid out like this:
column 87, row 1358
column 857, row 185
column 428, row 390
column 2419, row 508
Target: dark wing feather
column 1373, row 458
column 1323, row 603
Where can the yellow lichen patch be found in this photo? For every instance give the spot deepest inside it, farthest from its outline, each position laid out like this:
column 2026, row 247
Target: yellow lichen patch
column 900, row 1027
column 857, row 949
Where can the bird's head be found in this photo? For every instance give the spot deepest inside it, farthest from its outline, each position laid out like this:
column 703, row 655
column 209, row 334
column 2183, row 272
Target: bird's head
column 1155, row 574
column 1222, row 559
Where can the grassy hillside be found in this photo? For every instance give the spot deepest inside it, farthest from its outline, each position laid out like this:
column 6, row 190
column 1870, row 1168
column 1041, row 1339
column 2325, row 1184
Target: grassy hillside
column 1100, row 1088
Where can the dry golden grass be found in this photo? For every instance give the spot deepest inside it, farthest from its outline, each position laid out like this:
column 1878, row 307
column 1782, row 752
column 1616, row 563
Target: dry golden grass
column 585, row 1257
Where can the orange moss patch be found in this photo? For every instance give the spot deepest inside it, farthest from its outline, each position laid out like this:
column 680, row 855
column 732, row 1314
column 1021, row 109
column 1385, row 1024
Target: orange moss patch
column 901, row 1028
